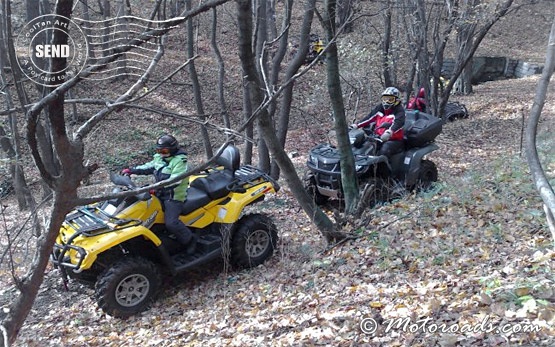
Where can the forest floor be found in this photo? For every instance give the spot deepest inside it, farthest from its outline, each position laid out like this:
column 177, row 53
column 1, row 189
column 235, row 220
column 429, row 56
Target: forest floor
column 468, row 264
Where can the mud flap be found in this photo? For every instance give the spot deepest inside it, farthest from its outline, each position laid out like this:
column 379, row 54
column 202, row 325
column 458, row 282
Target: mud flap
column 412, row 160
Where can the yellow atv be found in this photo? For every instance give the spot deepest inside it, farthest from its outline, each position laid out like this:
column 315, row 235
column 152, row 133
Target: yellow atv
column 122, row 246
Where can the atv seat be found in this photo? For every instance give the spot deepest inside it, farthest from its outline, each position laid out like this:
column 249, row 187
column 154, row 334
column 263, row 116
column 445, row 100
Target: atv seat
column 215, row 185
column 230, row 158
column 421, row 128
column 196, row 198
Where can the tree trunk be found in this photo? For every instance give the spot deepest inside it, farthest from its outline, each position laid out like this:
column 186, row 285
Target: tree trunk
column 293, row 67
column 261, row 65
column 197, row 92
column 86, row 30
column 106, row 15
column 344, row 15
column 348, row 173
column 541, row 180
column 121, row 35
column 386, row 42
column 221, row 69
column 322, row 222
column 474, row 40
column 21, row 190
column 24, row 197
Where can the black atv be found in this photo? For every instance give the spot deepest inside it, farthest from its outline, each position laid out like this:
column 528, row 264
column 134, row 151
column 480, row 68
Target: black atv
column 389, row 177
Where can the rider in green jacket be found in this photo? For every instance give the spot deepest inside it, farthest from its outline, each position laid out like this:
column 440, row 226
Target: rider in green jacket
column 170, row 161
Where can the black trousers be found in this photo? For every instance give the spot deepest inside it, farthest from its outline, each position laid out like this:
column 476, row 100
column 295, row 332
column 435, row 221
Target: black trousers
column 391, row 147
column 172, row 210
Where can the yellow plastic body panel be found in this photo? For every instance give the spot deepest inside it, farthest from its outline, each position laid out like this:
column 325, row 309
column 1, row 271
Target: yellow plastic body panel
column 94, row 245
column 231, row 211
column 226, row 210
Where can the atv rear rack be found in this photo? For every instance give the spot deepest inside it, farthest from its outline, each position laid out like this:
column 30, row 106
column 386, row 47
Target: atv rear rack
column 248, row 176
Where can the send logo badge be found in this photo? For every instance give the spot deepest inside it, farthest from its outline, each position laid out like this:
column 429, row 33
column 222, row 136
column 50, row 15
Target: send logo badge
column 35, row 50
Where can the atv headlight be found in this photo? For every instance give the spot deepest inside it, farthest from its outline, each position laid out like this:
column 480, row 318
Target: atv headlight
column 358, row 167
column 312, row 159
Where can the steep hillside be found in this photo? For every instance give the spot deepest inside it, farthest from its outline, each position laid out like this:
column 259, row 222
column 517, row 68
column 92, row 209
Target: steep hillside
column 468, row 264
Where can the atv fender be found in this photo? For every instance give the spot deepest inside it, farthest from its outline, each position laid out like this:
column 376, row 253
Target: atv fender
column 98, row 244
column 372, row 160
column 231, row 211
column 370, row 163
column 412, row 160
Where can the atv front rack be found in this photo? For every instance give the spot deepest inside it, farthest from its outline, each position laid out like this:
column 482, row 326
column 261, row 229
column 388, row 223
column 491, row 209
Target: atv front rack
column 89, row 220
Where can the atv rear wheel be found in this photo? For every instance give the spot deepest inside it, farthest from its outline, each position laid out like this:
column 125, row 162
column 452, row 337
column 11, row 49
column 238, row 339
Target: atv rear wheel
column 128, row 287
column 427, row 175
column 253, row 241
column 312, row 190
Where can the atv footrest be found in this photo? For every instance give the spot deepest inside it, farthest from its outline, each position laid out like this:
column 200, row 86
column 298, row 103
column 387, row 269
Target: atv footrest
column 208, row 243
column 184, row 261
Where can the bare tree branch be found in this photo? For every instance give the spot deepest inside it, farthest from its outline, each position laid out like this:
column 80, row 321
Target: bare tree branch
column 126, row 97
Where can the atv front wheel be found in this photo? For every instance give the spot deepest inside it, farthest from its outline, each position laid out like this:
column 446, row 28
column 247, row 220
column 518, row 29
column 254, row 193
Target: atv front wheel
column 312, row 190
column 253, row 241
column 427, row 175
column 128, row 287
column 375, row 191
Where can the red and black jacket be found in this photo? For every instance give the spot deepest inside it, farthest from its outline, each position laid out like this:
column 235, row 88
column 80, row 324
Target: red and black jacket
column 394, row 115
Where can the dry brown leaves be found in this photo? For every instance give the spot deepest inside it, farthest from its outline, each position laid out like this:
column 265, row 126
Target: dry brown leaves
column 468, row 264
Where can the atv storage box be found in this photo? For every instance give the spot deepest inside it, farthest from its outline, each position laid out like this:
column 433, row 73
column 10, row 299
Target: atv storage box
column 421, row 128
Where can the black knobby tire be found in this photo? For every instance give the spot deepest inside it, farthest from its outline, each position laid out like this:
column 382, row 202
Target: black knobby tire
column 427, row 175
column 312, row 190
column 454, row 111
column 128, row 287
column 253, row 241
column 379, row 192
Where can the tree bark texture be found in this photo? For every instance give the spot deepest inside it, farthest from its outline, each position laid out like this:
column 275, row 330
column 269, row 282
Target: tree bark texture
column 266, row 128
column 348, row 173
column 538, row 173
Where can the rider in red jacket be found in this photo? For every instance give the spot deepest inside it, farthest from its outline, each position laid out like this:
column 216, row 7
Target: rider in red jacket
column 419, row 102
column 388, row 119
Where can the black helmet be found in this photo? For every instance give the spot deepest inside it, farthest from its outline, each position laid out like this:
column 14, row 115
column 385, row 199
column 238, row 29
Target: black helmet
column 390, row 97
column 167, row 145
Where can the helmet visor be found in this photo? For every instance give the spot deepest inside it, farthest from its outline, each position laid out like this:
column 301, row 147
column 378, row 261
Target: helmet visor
column 389, row 99
column 163, row 151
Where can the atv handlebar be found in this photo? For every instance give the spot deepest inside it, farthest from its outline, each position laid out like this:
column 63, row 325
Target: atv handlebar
column 127, row 182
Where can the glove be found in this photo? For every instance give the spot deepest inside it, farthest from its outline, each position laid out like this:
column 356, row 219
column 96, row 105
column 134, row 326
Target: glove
column 386, row 135
column 126, row 172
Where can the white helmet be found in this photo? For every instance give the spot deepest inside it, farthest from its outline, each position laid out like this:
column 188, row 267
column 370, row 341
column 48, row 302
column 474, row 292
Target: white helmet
column 390, row 97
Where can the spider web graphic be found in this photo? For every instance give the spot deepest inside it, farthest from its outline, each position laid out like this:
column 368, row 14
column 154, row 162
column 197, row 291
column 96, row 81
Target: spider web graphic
column 104, row 37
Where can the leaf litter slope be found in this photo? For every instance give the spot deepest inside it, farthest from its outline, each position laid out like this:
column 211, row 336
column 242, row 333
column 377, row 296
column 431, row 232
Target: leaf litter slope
column 474, row 248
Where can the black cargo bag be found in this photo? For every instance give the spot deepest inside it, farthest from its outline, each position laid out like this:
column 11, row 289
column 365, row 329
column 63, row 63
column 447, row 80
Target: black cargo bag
column 421, row 128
